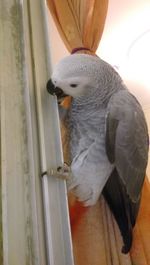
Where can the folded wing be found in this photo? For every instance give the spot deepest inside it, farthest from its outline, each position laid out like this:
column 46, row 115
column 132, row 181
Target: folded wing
column 126, row 147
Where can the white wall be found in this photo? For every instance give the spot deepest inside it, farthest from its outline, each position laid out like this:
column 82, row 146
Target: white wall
column 147, row 115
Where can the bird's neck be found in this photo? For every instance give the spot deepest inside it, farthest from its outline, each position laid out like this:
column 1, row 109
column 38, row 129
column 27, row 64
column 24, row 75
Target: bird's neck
column 96, row 98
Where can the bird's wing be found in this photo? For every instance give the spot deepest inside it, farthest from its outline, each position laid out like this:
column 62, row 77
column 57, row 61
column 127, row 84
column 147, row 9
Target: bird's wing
column 127, row 148
column 127, row 141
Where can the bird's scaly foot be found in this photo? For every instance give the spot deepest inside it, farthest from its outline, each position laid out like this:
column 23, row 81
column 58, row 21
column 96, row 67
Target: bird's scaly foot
column 62, row 172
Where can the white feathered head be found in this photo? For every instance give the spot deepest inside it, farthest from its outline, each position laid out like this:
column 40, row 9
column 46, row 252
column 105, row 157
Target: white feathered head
column 83, row 75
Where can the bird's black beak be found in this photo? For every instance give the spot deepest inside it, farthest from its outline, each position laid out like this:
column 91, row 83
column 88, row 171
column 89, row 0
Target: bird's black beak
column 55, row 91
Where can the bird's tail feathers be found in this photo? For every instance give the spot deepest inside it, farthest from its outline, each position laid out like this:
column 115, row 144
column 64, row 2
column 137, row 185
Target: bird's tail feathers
column 124, row 211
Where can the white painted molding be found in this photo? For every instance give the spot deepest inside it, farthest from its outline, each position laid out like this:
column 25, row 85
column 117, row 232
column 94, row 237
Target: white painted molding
column 36, row 227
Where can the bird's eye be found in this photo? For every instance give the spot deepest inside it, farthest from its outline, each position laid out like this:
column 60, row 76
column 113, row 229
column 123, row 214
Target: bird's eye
column 73, row 85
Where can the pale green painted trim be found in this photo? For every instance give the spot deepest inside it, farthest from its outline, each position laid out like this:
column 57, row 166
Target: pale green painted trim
column 33, row 232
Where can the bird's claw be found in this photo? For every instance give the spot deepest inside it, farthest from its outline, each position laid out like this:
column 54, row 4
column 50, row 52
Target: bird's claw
column 62, row 172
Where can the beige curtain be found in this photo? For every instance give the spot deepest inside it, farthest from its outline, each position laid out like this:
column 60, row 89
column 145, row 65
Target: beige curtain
column 79, row 22
column 140, row 252
column 96, row 239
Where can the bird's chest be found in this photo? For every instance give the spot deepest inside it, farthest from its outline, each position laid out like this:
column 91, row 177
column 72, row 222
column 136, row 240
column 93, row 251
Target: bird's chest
column 86, row 127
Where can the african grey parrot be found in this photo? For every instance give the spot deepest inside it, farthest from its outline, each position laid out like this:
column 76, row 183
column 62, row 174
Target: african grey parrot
column 108, row 137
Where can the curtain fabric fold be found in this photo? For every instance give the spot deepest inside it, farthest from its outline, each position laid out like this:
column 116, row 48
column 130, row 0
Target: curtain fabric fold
column 140, row 251
column 80, row 23
column 96, row 238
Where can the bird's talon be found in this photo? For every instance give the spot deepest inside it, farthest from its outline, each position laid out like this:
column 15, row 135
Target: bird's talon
column 59, row 169
column 43, row 174
column 62, row 172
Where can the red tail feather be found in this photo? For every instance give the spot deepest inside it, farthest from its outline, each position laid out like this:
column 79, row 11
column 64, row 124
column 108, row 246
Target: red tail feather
column 77, row 210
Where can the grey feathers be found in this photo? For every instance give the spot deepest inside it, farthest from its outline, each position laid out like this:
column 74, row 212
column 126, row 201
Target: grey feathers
column 127, row 140
column 108, row 138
